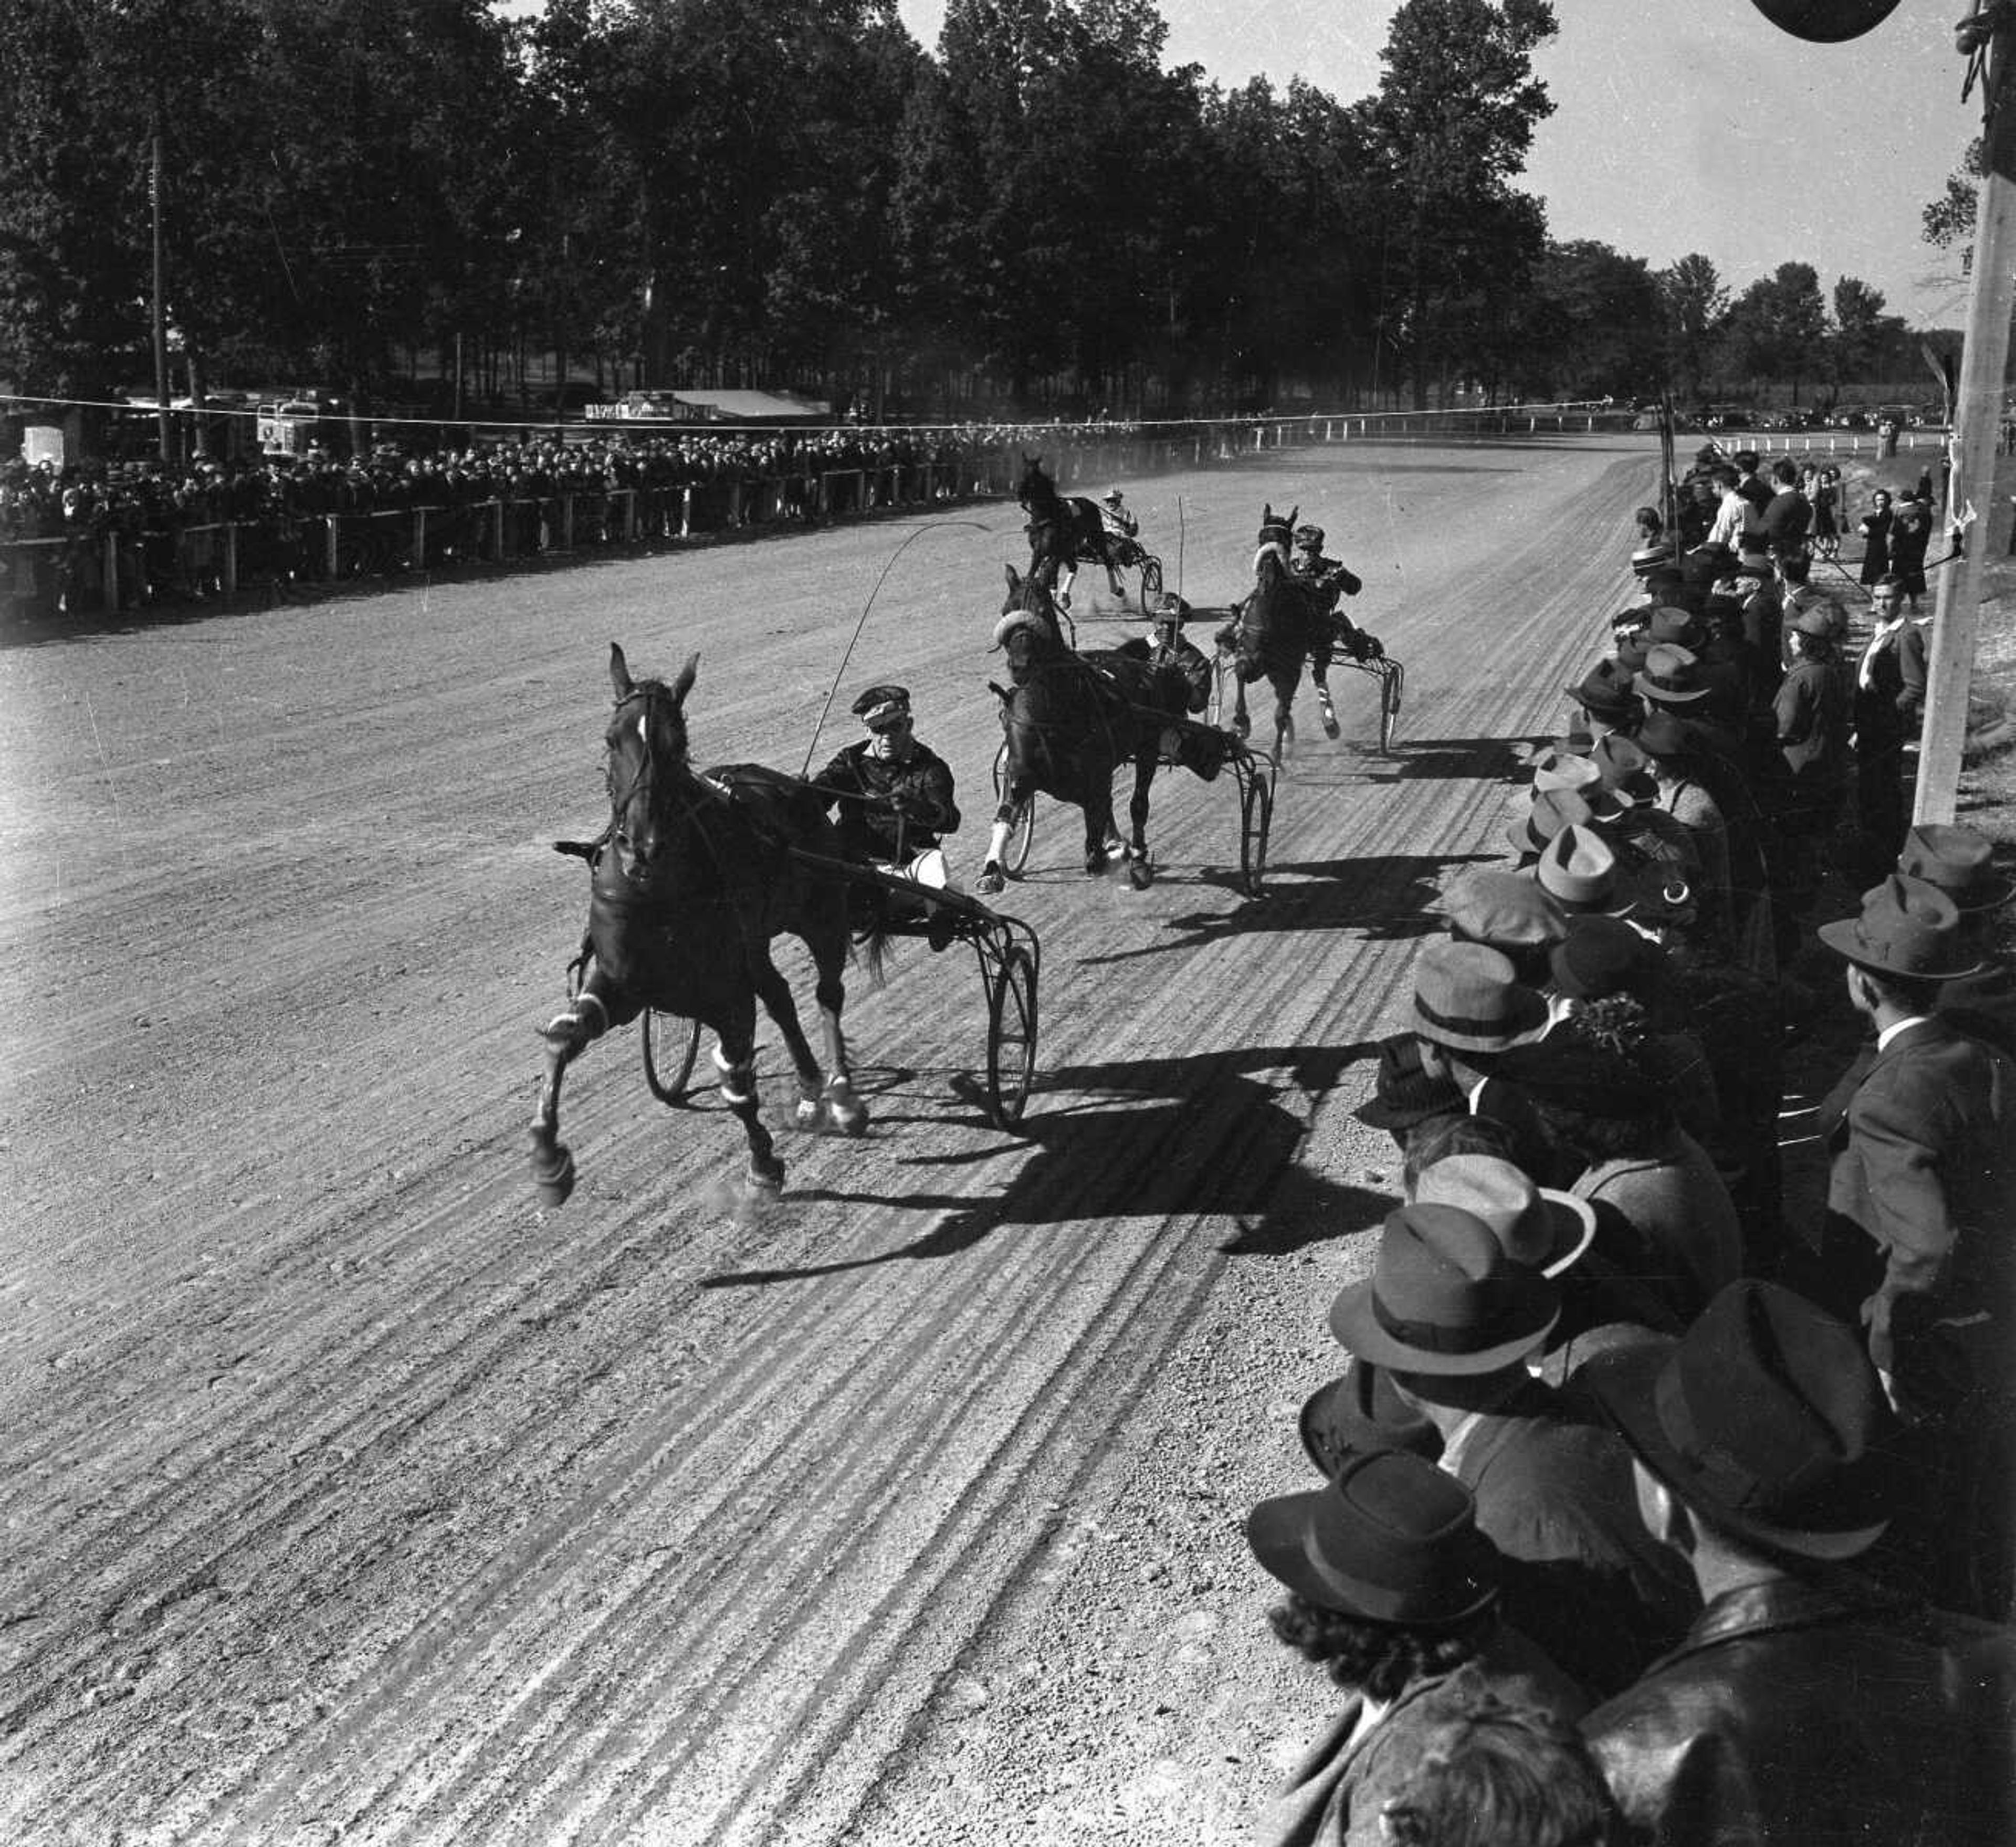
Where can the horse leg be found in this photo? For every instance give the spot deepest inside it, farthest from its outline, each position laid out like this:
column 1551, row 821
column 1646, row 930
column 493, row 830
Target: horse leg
column 1140, row 869
column 845, row 1110
column 590, row 1014
column 1064, row 576
column 734, row 1058
column 1284, row 721
column 1242, row 722
column 1018, row 786
column 1112, row 572
column 1320, row 672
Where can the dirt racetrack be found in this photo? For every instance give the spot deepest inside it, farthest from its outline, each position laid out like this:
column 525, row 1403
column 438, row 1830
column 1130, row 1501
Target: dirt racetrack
column 350, row 1496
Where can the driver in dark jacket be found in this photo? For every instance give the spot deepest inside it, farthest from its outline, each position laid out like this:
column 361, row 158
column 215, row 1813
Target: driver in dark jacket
column 894, row 793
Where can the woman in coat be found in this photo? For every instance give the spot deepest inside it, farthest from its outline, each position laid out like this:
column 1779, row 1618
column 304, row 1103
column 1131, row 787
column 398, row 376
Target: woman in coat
column 1394, row 1592
column 1874, row 527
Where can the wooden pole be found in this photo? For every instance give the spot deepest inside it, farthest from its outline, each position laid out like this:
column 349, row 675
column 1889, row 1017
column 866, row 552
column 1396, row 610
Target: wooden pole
column 1984, row 358
column 163, row 426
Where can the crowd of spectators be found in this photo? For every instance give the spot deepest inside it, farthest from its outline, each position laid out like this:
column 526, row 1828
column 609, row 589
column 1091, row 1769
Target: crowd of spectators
column 489, row 501
column 1668, row 1492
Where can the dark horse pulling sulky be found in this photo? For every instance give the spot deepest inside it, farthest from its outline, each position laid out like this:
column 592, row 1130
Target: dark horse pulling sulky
column 1071, row 720
column 1284, row 622
column 1062, row 531
column 694, row 876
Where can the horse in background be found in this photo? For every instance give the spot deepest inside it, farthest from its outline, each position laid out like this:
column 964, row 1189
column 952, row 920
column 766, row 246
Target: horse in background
column 1277, row 627
column 1071, row 720
column 693, row 876
column 1061, row 532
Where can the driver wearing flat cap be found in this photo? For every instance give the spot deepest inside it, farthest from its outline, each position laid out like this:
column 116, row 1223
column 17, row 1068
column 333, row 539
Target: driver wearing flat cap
column 894, row 793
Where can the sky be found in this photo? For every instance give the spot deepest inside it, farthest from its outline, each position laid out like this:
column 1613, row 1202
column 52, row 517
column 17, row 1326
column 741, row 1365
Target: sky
column 1679, row 126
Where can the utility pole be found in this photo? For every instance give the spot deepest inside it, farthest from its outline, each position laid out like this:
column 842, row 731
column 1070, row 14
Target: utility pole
column 1978, row 418
column 166, row 428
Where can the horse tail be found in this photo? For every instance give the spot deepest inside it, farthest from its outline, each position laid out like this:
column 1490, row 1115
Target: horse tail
column 871, row 946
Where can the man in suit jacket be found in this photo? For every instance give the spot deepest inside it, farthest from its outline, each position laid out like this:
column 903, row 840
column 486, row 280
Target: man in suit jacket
column 1921, row 1212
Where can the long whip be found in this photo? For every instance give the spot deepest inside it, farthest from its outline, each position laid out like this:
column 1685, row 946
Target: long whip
column 840, row 673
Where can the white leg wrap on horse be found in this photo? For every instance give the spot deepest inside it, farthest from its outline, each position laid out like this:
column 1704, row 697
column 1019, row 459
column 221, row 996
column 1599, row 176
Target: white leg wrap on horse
column 575, row 1025
column 997, row 844
column 729, row 1094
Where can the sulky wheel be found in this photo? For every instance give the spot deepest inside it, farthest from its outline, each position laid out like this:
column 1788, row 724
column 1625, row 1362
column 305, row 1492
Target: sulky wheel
column 1392, row 681
column 1256, row 821
column 1011, row 1036
column 1151, row 582
column 1022, row 827
column 672, row 1043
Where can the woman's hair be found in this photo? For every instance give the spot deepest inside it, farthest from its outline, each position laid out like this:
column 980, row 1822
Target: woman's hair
column 1496, row 1775
column 1597, row 1138
column 1376, row 1659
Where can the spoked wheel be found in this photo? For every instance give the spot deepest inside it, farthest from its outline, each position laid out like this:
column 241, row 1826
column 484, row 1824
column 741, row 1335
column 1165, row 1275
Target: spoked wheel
column 671, row 1044
column 1011, row 1035
column 1256, row 821
column 1151, row 582
column 1022, row 824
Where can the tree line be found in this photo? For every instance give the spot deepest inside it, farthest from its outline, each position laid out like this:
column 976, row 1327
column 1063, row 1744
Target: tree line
column 697, row 193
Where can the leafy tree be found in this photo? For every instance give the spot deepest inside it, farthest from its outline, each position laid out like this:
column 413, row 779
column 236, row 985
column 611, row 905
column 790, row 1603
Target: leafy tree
column 1862, row 334
column 1948, row 219
column 1692, row 304
column 1451, row 127
column 1590, row 324
column 1776, row 328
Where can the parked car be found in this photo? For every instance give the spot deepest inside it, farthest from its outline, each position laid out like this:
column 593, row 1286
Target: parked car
column 1732, row 417
column 1848, row 417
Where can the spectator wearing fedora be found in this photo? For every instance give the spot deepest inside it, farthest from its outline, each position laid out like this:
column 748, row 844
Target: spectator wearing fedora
column 1663, row 1215
column 1960, row 862
column 1580, row 870
column 1803, row 1706
column 1492, row 1774
column 1549, row 813
column 1553, row 1231
column 1605, row 699
column 1454, row 1320
column 1921, row 1200
column 1393, row 1590
column 1503, row 912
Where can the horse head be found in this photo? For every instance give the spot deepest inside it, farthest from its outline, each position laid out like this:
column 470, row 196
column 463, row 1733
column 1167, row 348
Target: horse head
column 1272, row 554
column 1035, row 492
column 649, row 761
column 1029, row 630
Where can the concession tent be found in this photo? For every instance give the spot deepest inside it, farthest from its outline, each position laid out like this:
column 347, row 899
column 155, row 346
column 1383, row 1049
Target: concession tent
column 725, row 407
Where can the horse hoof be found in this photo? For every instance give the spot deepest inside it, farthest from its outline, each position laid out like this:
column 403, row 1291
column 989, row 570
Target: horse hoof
column 760, row 1185
column 552, row 1176
column 1331, row 728
column 845, row 1110
column 990, row 882
column 1095, row 864
column 1242, row 728
column 1140, row 874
